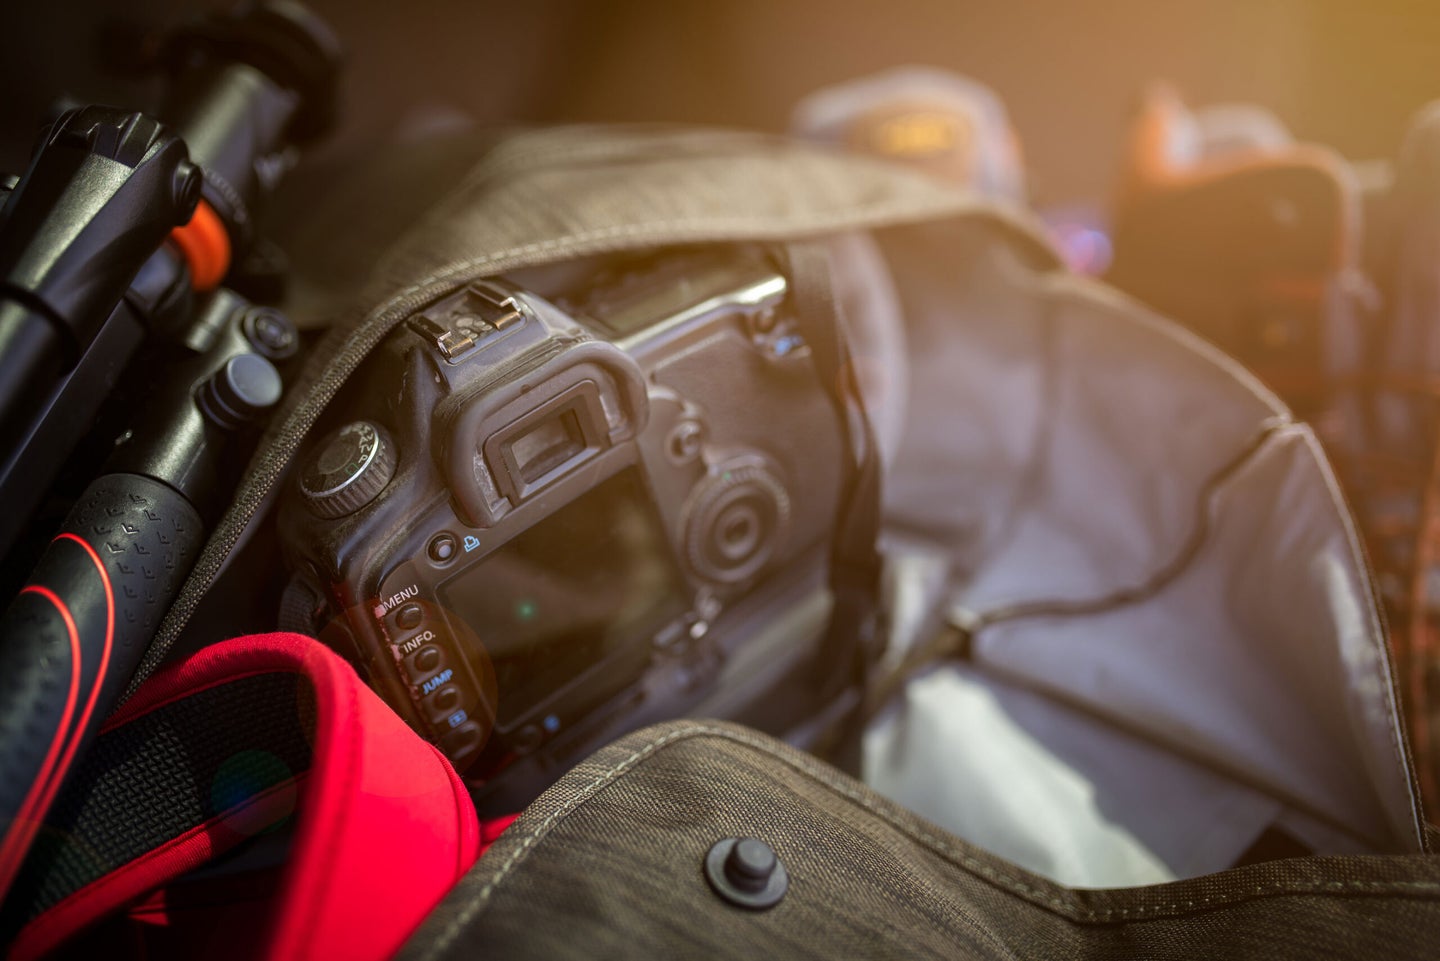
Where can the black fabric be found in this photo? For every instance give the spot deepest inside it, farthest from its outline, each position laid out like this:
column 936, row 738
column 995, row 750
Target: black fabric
column 608, row 864
column 1273, row 844
column 149, row 781
column 855, row 563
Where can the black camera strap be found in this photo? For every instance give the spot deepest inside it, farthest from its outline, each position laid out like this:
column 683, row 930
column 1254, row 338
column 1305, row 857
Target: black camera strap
column 849, row 646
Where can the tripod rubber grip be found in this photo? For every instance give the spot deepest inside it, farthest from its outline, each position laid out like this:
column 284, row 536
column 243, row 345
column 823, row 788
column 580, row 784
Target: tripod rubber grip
column 71, row 639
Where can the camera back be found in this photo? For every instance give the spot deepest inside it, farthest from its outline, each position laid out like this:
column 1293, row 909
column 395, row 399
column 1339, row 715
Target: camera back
column 538, row 521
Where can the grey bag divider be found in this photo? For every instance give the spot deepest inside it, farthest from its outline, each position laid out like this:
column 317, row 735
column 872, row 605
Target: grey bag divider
column 1173, row 645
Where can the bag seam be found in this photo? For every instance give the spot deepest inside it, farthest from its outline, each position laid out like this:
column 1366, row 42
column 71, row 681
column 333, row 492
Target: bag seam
column 957, row 857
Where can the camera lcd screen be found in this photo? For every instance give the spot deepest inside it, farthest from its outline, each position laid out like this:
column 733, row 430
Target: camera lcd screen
column 593, row 581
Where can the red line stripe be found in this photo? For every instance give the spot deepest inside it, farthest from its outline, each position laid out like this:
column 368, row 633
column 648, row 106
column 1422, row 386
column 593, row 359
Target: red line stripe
column 22, row 830
column 79, row 731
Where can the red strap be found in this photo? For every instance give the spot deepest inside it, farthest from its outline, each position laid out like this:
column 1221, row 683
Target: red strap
column 384, row 827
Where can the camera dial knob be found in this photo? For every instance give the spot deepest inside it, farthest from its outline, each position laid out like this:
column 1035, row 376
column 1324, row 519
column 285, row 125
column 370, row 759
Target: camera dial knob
column 347, row 470
column 736, row 522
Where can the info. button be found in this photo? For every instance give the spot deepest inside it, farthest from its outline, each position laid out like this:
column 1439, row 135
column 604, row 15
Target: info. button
column 427, row 660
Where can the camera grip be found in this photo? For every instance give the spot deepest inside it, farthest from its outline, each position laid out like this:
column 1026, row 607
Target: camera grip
column 73, row 636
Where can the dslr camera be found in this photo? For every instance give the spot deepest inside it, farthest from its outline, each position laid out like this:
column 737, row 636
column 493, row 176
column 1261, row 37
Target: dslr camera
column 532, row 522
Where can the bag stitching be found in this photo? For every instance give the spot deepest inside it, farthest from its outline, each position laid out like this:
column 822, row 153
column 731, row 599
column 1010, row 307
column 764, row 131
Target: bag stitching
column 822, row 223
column 973, row 865
column 539, row 832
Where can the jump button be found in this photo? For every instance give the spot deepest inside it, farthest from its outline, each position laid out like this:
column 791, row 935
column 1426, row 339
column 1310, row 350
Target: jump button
column 409, row 617
column 445, row 700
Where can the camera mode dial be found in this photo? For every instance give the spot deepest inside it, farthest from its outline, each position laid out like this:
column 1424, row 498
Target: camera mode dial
column 347, row 470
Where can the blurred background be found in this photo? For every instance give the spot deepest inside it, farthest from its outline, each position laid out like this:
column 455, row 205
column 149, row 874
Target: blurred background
column 1347, row 74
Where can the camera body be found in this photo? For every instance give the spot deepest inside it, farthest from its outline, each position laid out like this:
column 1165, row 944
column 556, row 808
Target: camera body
column 535, row 521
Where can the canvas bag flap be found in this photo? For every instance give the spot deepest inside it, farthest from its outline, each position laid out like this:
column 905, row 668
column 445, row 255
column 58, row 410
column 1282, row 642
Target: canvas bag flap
column 609, row 864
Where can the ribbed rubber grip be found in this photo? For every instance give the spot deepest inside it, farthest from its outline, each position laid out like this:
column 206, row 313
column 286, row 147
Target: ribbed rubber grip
column 71, row 639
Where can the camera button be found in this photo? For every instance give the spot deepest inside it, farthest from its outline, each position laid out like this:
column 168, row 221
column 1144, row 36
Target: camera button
column 427, row 660
column 445, row 700
column 527, row 739
column 270, row 332
column 442, row 548
column 409, row 617
column 462, row 739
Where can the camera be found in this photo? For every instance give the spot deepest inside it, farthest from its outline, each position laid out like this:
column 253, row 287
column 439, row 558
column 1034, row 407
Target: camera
column 529, row 517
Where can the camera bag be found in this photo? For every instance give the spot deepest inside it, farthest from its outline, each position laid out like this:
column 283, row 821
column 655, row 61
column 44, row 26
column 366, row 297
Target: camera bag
column 1089, row 529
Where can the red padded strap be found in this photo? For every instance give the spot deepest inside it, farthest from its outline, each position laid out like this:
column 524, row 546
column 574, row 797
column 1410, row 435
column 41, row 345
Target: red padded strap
column 384, row 827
